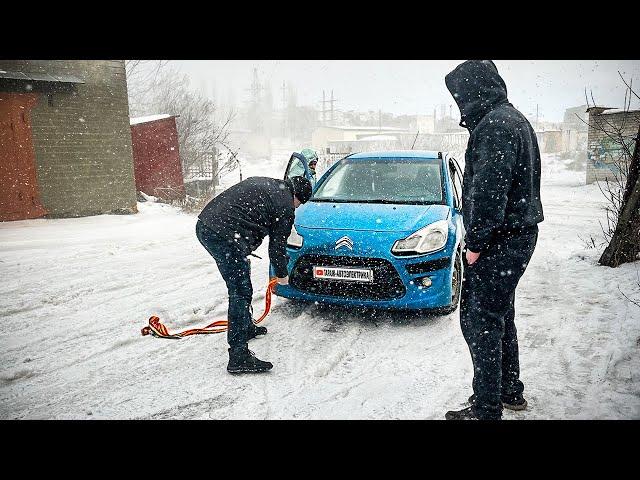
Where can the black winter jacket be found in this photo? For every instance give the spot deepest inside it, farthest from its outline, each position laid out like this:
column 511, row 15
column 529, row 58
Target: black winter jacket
column 249, row 211
column 501, row 188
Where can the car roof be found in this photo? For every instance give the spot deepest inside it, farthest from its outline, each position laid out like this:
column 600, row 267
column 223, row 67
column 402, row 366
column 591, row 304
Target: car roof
column 426, row 154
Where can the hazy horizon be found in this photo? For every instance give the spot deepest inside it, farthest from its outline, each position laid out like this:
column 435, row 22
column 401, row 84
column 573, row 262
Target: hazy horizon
column 412, row 87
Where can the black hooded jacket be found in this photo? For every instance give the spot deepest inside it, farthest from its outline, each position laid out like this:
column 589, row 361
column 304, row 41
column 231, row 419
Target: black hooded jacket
column 249, row 211
column 501, row 189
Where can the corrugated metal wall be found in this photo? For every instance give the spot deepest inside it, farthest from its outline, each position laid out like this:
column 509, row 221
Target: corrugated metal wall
column 158, row 170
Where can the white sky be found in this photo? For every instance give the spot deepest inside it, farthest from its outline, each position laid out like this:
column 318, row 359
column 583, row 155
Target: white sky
column 416, row 86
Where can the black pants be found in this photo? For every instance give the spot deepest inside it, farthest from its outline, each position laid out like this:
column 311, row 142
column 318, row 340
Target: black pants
column 487, row 316
column 234, row 267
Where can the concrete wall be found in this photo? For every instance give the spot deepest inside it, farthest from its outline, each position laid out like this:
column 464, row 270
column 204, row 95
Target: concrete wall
column 426, row 123
column 574, row 140
column 82, row 138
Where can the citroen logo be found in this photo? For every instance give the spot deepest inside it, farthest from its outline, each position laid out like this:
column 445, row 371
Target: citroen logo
column 344, row 242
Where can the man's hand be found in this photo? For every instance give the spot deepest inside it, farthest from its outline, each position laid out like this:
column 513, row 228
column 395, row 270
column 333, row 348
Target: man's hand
column 472, row 257
column 283, row 280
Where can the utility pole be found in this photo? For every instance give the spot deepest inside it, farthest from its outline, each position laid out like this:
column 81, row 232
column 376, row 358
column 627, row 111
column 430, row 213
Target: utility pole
column 255, row 89
column 332, row 100
column 284, row 116
column 323, row 110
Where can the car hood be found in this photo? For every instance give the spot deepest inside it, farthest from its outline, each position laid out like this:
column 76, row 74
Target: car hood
column 368, row 216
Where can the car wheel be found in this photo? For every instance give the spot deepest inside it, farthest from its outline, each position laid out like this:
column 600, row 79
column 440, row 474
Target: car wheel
column 456, row 285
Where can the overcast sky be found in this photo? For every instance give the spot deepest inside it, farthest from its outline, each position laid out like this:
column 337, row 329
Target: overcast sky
column 416, row 86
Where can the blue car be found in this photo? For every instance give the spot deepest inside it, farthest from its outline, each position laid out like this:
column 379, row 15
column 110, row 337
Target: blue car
column 382, row 230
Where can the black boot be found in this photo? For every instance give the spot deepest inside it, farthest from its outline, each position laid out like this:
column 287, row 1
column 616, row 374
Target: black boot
column 243, row 360
column 255, row 330
column 464, row 414
column 516, row 404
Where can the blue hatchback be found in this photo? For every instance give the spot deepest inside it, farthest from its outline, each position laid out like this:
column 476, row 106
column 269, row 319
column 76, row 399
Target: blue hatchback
column 382, row 229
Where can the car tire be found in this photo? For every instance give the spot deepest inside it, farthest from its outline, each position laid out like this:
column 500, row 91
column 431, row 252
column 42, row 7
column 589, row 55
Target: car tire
column 456, row 285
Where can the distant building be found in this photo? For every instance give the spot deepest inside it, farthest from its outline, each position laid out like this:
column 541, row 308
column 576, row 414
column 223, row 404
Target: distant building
column 425, row 123
column 250, row 143
column 323, row 136
column 575, row 118
column 156, row 156
column 65, row 140
column 607, row 153
column 550, row 141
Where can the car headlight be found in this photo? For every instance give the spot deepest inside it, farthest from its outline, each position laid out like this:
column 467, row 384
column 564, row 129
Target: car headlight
column 295, row 239
column 428, row 239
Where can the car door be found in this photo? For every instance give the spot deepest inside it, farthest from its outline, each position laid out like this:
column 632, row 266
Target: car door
column 456, row 180
column 297, row 166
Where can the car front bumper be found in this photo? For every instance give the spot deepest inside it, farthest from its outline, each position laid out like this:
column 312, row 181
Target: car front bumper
column 396, row 278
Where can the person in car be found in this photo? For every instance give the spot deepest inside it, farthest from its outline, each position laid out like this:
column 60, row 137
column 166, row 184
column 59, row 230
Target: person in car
column 312, row 161
column 233, row 225
column 501, row 211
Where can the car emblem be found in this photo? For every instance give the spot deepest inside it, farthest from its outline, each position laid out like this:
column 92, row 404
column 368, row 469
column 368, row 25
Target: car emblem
column 344, row 242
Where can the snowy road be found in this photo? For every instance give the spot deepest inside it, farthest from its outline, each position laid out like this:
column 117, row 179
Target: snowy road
column 76, row 292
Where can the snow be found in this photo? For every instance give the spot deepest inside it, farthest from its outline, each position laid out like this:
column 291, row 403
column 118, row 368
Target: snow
column 148, row 118
column 76, row 292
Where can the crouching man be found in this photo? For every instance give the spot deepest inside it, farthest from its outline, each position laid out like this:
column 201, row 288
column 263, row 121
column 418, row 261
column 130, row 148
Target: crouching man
column 233, row 225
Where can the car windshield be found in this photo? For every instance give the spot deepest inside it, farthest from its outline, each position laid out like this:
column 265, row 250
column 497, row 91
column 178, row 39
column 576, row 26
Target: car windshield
column 398, row 180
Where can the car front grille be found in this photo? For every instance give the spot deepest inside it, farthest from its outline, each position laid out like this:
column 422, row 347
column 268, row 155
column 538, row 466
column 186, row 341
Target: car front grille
column 386, row 284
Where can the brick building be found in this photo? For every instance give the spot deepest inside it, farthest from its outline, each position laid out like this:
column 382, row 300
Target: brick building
column 611, row 131
column 65, row 140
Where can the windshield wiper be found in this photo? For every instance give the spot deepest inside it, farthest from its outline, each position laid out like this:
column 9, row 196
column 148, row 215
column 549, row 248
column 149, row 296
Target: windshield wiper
column 378, row 200
column 402, row 202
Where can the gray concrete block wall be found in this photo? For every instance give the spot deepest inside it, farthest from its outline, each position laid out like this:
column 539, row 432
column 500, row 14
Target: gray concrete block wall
column 600, row 167
column 82, row 140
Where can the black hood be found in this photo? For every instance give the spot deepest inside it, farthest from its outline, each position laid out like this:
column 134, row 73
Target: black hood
column 300, row 187
column 477, row 88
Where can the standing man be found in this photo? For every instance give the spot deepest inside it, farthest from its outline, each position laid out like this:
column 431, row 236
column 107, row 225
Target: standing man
column 502, row 209
column 233, row 225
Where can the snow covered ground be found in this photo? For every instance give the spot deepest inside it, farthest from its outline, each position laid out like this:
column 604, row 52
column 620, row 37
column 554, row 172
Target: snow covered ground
column 76, row 292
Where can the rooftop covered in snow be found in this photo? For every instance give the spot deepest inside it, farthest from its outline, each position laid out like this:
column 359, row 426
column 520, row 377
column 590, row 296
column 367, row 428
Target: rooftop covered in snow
column 608, row 110
column 150, row 118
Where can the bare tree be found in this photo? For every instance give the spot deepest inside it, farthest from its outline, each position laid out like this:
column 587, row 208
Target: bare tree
column 230, row 162
column 142, row 78
column 155, row 87
column 623, row 191
column 625, row 242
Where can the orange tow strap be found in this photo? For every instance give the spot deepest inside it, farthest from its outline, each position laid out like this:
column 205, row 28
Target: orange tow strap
column 157, row 329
